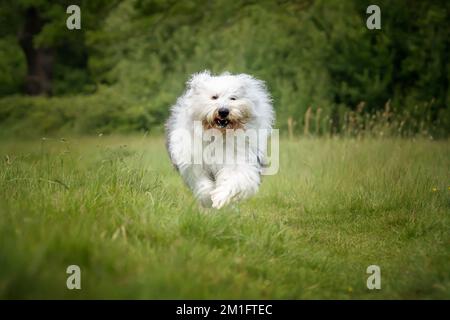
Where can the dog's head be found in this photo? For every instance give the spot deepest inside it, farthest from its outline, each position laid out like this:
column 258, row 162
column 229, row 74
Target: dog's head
column 226, row 101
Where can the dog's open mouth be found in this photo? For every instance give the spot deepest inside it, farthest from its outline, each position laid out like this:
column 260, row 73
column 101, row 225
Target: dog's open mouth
column 221, row 123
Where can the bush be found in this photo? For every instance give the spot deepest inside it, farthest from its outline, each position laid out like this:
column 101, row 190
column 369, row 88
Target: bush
column 104, row 112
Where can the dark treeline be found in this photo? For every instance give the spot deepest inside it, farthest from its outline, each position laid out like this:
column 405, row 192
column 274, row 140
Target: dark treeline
column 327, row 72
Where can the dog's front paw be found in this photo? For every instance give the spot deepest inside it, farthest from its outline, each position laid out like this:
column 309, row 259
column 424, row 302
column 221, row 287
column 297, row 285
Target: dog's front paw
column 221, row 196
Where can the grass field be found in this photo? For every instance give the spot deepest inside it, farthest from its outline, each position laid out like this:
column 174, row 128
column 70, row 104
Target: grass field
column 115, row 207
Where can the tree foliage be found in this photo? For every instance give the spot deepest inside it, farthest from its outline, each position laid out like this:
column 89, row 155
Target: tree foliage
column 312, row 54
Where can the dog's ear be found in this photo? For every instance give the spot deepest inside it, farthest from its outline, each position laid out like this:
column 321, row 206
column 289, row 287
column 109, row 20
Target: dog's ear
column 250, row 82
column 197, row 80
column 257, row 92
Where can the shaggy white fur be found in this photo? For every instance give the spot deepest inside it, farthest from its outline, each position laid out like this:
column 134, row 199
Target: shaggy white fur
column 222, row 104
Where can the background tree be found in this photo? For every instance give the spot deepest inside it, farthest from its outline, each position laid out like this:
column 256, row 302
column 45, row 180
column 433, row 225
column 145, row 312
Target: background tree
column 51, row 51
column 131, row 58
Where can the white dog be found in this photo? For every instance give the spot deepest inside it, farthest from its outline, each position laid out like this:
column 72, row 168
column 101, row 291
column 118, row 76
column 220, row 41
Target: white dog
column 224, row 103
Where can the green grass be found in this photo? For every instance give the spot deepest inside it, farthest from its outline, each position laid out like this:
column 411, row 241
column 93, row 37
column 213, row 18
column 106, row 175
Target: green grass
column 115, row 207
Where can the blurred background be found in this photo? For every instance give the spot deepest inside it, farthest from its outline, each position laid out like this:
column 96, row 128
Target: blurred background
column 328, row 74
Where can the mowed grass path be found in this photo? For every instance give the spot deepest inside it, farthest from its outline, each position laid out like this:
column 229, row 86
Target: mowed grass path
column 115, row 207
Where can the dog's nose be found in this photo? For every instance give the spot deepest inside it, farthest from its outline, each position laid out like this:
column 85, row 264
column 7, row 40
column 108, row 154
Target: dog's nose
column 223, row 112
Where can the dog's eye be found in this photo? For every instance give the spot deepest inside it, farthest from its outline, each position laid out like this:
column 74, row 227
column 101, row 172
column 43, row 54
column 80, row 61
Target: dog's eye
column 233, row 98
column 214, row 97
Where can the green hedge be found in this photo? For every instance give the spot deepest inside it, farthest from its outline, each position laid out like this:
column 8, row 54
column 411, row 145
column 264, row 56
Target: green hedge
column 94, row 114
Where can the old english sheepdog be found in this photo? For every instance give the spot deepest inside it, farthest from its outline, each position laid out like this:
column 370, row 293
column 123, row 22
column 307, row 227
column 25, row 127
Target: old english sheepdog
column 206, row 124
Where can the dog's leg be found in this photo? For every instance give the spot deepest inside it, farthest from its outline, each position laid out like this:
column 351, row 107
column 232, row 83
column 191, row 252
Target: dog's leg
column 197, row 179
column 235, row 183
column 202, row 190
column 200, row 183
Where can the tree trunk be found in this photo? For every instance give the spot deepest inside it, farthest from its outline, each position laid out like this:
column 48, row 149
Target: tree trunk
column 39, row 60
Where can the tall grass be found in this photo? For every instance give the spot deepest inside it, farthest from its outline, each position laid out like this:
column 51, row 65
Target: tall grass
column 115, row 207
column 360, row 123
